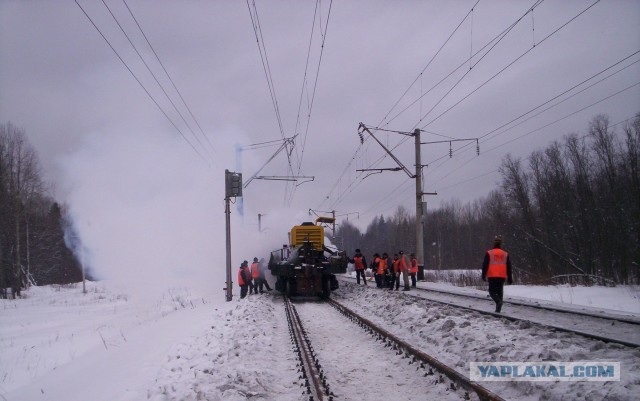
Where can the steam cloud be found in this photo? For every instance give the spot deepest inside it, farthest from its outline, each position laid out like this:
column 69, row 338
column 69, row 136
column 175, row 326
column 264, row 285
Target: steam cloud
column 150, row 214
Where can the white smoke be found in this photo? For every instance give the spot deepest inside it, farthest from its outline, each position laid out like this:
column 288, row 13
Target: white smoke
column 150, row 216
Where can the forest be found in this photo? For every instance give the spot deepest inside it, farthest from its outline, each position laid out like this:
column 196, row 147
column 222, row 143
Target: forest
column 569, row 213
column 33, row 250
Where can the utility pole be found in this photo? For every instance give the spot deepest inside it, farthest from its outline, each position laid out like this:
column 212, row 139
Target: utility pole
column 233, row 188
column 419, row 204
column 418, row 177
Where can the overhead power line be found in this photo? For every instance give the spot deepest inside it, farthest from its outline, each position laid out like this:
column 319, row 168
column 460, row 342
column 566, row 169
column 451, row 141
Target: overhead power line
column 494, row 133
column 497, row 38
column 501, row 36
column 315, row 86
column 428, row 64
column 490, row 44
column 506, row 67
column 140, row 83
column 169, row 77
column 359, row 147
column 155, row 78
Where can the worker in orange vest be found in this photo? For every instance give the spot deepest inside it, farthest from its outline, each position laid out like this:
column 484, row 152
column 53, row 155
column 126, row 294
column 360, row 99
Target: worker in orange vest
column 244, row 278
column 359, row 263
column 255, row 277
column 376, row 266
column 496, row 267
column 388, row 268
column 413, row 269
column 404, row 269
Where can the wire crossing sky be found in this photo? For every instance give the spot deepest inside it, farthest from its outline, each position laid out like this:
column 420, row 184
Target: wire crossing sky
column 516, row 74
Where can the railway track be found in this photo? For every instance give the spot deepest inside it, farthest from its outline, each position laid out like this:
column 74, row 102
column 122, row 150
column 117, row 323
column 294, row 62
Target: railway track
column 311, row 372
column 609, row 329
column 443, row 382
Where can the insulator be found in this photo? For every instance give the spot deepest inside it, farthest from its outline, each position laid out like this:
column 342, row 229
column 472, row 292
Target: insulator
column 477, row 147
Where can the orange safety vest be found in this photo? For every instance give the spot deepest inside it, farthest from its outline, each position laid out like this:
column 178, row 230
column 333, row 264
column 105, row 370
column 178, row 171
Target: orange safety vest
column 402, row 266
column 414, row 266
column 382, row 266
column 241, row 277
column 255, row 271
column 379, row 269
column 497, row 263
column 358, row 263
column 396, row 262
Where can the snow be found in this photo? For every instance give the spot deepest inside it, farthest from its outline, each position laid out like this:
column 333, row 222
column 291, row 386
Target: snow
column 60, row 344
column 622, row 298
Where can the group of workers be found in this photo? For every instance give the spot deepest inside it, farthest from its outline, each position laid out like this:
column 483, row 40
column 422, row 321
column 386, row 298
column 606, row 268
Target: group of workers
column 252, row 279
column 387, row 271
column 496, row 269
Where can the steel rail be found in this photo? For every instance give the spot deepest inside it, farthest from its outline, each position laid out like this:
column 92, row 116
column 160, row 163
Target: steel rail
column 312, row 373
column 455, row 376
column 537, row 306
column 517, row 319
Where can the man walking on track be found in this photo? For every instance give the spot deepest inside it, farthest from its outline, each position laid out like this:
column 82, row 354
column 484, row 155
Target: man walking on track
column 496, row 267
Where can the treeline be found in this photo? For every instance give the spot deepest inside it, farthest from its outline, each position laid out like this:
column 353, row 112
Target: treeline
column 32, row 246
column 568, row 213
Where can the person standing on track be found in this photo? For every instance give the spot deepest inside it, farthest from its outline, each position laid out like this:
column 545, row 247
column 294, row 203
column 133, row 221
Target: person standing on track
column 496, row 267
column 244, row 278
column 395, row 273
column 255, row 277
column 388, row 268
column 404, row 269
column 376, row 266
column 359, row 263
column 262, row 267
column 413, row 269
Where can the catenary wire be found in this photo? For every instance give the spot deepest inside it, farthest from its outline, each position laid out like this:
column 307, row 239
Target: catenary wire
column 170, row 79
column 494, row 131
column 141, row 85
column 537, row 3
column 491, row 43
column 156, row 79
column 313, row 94
column 359, row 147
column 428, row 63
column 498, row 37
column 509, row 65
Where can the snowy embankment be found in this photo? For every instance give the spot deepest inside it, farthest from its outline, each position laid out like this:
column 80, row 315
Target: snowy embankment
column 457, row 337
column 622, row 298
column 60, row 344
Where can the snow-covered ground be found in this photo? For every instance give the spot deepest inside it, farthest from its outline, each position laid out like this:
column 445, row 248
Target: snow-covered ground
column 60, row 344
column 622, row 298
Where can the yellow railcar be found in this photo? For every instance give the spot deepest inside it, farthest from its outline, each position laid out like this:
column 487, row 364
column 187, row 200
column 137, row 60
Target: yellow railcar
column 306, row 267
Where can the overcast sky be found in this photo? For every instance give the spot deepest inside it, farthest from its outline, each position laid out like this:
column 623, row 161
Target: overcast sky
column 78, row 103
